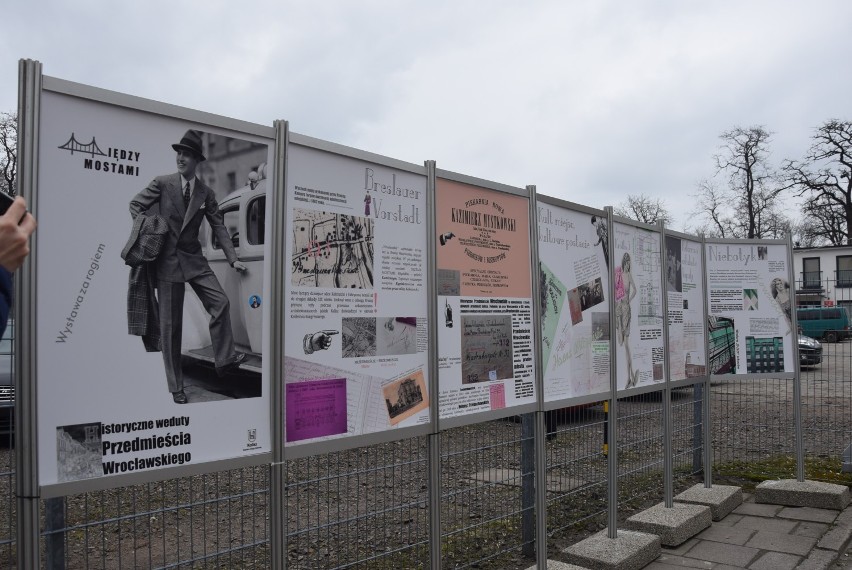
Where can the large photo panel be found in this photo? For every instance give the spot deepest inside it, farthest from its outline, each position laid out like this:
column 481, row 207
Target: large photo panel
column 356, row 347
column 485, row 335
column 151, row 296
column 574, row 289
column 749, row 299
column 638, row 297
column 684, row 271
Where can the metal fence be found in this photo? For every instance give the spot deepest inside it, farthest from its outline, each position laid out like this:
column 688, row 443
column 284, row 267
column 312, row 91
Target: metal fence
column 369, row 507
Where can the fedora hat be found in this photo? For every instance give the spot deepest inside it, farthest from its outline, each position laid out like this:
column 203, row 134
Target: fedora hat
column 191, row 141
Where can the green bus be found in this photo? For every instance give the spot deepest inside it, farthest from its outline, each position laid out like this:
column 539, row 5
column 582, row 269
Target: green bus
column 827, row 323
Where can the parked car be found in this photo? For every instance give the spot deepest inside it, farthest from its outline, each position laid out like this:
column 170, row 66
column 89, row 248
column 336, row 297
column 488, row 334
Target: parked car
column 829, row 324
column 810, row 351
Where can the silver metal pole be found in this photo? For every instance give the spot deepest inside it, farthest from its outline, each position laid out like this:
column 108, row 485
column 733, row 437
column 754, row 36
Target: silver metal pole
column 612, row 417
column 797, row 374
column 540, row 430
column 277, row 312
column 708, row 419
column 668, row 483
column 26, row 416
column 434, row 442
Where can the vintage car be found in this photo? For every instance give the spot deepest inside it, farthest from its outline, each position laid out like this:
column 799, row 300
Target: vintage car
column 244, row 211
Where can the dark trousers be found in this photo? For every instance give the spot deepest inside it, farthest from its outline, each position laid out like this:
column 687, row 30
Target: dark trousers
column 210, row 293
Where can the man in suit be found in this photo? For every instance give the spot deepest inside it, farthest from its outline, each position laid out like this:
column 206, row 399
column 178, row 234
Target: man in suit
column 183, row 202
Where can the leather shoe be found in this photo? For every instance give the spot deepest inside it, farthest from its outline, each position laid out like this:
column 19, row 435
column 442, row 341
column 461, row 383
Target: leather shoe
column 232, row 365
column 179, row 397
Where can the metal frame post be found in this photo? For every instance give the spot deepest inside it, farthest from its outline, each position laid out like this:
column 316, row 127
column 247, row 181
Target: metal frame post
column 539, row 423
column 612, row 418
column 708, row 418
column 434, row 438
column 668, row 476
column 26, row 417
column 797, row 374
column 277, row 310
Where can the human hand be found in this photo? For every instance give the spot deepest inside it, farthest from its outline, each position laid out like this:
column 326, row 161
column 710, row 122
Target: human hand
column 16, row 226
column 320, row 340
column 239, row 267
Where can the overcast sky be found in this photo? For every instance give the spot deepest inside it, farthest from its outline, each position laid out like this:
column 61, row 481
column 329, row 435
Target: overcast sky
column 588, row 100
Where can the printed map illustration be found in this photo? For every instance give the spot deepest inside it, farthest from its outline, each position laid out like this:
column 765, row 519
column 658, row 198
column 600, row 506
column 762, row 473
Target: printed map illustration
column 332, row 250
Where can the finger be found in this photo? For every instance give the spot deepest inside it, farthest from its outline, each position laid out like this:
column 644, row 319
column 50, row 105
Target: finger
column 330, row 332
column 28, row 223
column 17, row 208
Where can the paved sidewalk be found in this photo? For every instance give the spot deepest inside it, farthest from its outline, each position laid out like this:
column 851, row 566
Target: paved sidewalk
column 772, row 537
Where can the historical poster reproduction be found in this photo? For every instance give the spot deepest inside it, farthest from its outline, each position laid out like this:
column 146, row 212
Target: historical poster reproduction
column 638, row 305
column 749, row 297
column 574, row 288
column 151, row 289
column 485, row 337
column 356, row 330
column 684, row 273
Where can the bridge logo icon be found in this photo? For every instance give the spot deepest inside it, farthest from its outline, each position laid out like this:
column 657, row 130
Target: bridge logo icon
column 73, row 145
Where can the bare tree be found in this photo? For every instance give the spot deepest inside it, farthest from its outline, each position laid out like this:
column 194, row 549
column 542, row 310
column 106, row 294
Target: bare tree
column 750, row 205
column 8, row 151
column 644, row 209
column 823, row 176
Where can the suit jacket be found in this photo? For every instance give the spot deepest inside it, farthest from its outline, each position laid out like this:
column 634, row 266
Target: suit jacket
column 143, row 247
column 181, row 259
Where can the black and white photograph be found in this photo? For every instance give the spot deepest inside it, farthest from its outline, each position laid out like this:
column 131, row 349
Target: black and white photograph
column 78, row 452
column 185, row 242
column 405, row 397
column 674, row 276
column 359, row 337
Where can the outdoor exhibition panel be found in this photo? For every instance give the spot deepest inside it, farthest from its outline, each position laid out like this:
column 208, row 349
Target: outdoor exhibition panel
column 356, row 302
column 638, row 306
column 750, row 322
column 108, row 188
column 575, row 305
column 486, row 330
column 684, row 271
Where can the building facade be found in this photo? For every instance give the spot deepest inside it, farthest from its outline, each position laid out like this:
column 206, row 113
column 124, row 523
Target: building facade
column 823, row 276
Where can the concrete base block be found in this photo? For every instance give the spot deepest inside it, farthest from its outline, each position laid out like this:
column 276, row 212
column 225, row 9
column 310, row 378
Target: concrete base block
column 675, row 525
column 630, row 550
column 556, row 565
column 792, row 493
column 722, row 499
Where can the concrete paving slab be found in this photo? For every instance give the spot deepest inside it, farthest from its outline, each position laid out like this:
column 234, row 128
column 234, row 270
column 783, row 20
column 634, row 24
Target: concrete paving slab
column 556, row 565
column 669, row 561
column 803, row 494
column 836, row 539
column 673, row 525
column 630, row 550
column 818, row 560
column 681, row 548
column 812, row 529
column 758, row 510
column 782, row 542
column 727, row 534
column 761, row 523
column 740, row 556
column 776, row 561
column 722, row 499
column 729, row 520
column 808, row 514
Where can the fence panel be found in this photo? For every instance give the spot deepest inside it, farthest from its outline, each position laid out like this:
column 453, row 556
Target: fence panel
column 826, row 396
